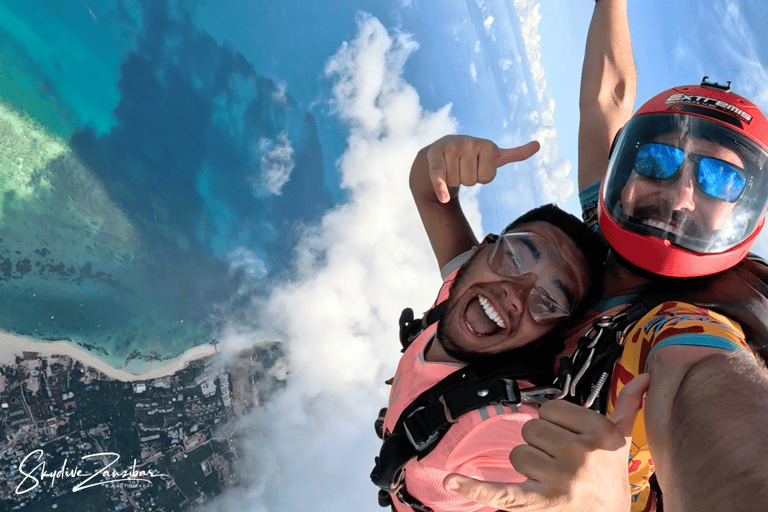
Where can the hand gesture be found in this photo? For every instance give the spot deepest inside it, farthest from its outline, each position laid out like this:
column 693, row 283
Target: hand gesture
column 462, row 160
column 575, row 460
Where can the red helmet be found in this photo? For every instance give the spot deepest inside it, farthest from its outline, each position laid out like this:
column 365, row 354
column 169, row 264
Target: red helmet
column 686, row 190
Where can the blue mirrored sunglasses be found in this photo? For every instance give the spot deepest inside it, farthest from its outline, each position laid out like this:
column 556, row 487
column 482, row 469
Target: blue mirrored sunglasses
column 716, row 178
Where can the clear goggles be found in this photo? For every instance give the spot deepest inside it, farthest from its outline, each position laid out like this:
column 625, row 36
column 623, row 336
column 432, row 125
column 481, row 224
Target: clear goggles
column 644, row 178
column 518, row 254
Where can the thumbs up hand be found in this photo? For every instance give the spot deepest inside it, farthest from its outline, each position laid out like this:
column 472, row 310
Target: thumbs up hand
column 575, row 460
column 462, row 160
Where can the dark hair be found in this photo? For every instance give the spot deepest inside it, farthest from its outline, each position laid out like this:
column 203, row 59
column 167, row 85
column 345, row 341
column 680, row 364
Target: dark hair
column 593, row 247
column 541, row 353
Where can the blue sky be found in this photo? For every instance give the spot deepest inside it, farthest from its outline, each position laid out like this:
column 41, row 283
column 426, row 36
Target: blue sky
column 674, row 43
column 689, row 41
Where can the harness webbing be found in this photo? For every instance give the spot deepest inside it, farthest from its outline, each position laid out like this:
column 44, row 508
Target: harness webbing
column 740, row 293
column 426, row 420
column 411, row 328
column 583, row 376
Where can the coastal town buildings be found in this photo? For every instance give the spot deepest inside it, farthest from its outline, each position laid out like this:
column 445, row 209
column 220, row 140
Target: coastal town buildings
column 75, row 439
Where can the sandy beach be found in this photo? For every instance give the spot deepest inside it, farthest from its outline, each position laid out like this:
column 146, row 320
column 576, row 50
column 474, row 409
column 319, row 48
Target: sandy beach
column 12, row 345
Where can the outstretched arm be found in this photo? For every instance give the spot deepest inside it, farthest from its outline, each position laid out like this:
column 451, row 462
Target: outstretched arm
column 705, row 416
column 608, row 87
column 436, row 174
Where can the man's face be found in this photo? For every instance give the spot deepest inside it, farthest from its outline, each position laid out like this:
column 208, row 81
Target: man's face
column 489, row 313
column 678, row 204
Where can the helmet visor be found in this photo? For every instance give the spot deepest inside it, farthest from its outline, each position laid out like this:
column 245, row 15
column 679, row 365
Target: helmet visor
column 686, row 179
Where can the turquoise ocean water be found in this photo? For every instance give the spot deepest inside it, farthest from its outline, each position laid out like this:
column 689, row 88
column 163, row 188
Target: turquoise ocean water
column 153, row 181
column 160, row 157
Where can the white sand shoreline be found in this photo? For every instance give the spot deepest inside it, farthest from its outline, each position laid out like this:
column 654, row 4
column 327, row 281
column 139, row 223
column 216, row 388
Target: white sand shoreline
column 12, row 345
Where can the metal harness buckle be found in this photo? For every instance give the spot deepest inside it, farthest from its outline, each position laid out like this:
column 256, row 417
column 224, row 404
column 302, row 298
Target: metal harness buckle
column 401, row 493
column 543, row 395
column 420, row 445
column 596, row 332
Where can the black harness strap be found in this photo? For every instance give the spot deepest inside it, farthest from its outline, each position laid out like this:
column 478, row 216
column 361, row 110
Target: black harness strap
column 411, row 328
column 426, row 420
column 739, row 293
column 583, row 376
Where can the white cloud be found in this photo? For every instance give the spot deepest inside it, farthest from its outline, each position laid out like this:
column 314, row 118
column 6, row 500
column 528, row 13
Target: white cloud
column 279, row 93
column 681, row 51
column 488, row 23
column 312, row 446
column 245, row 260
column 552, row 176
column 738, row 46
column 276, row 164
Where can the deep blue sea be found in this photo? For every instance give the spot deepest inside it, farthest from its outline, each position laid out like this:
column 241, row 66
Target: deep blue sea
column 153, row 178
column 159, row 158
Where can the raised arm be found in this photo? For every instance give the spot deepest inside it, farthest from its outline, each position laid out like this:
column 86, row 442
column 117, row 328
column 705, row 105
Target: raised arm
column 608, row 87
column 436, row 174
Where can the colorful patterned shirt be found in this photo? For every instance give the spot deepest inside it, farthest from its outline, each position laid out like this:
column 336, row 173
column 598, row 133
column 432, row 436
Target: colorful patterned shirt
column 670, row 323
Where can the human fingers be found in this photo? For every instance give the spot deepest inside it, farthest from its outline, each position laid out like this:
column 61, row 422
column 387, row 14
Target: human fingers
column 569, row 416
column 628, row 403
column 477, row 160
column 552, row 452
column 547, row 436
column 439, row 171
column 468, row 162
column 531, row 461
column 486, row 163
column 509, row 155
column 593, row 429
column 537, row 465
column 502, row 496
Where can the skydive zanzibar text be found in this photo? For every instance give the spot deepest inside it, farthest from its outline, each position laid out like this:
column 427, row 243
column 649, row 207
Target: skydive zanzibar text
column 709, row 102
column 107, row 476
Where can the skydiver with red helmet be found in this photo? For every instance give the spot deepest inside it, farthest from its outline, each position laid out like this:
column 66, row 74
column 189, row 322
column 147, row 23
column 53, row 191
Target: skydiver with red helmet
column 686, row 189
column 682, row 201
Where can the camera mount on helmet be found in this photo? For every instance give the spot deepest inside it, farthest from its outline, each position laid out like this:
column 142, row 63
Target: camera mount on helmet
column 715, row 85
column 686, row 189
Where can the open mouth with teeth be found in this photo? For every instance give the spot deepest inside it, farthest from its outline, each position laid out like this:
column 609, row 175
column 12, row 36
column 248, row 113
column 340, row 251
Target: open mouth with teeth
column 659, row 224
column 481, row 317
column 664, row 228
column 673, row 230
column 667, row 227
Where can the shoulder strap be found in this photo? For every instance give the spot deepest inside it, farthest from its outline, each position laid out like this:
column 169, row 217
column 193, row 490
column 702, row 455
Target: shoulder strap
column 425, row 421
column 583, row 376
column 410, row 328
column 740, row 293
